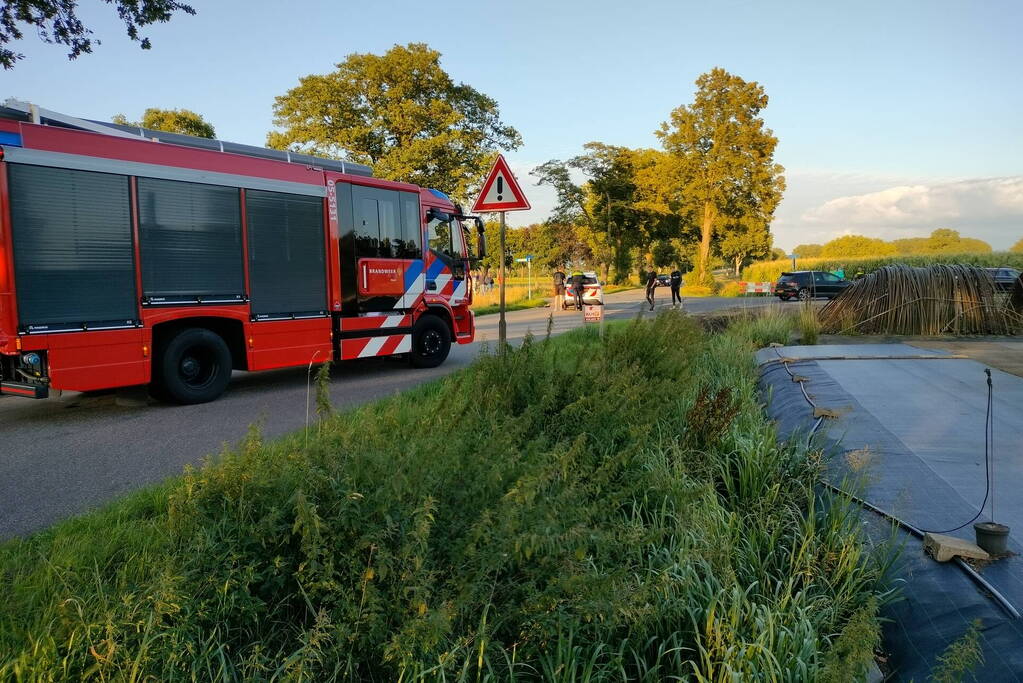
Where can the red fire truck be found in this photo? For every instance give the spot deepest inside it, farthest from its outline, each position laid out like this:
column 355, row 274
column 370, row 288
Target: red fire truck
column 131, row 256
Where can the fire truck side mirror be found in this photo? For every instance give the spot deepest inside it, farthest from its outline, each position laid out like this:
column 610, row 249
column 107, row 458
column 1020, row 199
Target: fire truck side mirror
column 481, row 239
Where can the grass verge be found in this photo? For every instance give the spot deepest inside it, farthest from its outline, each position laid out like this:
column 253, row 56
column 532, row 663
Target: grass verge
column 519, row 305
column 578, row 509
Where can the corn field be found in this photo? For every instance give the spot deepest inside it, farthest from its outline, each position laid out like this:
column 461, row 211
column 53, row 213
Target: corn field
column 932, row 300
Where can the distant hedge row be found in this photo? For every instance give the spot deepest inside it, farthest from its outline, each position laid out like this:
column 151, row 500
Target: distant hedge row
column 769, row 271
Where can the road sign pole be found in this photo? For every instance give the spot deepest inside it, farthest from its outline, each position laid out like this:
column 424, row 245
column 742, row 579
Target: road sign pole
column 529, row 279
column 502, row 329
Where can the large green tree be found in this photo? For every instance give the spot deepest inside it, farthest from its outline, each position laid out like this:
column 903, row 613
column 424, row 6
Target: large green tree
column 603, row 206
column 399, row 112
column 57, row 21
column 724, row 171
column 182, row 121
column 741, row 243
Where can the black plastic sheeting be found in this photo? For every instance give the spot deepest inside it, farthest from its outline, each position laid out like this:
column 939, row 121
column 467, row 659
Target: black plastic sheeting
column 937, row 601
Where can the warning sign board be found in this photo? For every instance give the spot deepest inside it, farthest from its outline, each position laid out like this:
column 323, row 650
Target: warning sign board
column 593, row 313
column 501, row 192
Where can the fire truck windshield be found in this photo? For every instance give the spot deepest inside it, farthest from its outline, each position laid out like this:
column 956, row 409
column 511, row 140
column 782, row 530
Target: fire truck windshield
column 444, row 239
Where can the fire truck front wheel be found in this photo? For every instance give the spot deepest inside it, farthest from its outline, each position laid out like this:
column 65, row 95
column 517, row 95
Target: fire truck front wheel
column 431, row 342
column 193, row 367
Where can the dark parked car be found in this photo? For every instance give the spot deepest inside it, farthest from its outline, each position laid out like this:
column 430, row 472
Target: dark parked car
column 1004, row 278
column 809, row 284
column 663, row 280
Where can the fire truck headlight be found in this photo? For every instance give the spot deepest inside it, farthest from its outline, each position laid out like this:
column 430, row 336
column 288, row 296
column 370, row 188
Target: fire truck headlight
column 32, row 359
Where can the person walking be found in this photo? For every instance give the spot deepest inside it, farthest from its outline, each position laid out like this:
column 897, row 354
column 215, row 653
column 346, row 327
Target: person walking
column 578, row 280
column 676, row 285
column 559, row 289
column 651, row 284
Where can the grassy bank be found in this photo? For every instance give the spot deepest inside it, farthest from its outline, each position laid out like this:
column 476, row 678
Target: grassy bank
column 769, row 271
column 579, row 509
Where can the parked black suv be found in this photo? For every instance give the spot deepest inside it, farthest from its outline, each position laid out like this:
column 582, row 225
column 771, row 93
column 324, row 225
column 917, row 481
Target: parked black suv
column 809, row 284
column 1005, row 278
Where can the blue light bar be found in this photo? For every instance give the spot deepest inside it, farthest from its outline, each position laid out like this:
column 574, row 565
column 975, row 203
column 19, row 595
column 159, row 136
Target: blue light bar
column 10, row 139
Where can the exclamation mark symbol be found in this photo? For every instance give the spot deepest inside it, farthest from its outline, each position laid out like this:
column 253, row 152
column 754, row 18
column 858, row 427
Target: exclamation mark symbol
column 500, row 187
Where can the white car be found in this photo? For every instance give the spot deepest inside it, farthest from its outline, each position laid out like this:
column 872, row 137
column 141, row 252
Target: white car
column 593, row 290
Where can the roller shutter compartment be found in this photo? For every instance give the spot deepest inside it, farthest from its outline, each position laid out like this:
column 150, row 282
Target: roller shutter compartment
column 191, row 242
column 287, row 264
column 74, row 262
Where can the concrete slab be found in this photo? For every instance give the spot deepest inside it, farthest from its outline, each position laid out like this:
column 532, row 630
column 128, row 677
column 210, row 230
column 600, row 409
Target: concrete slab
column 943, row 548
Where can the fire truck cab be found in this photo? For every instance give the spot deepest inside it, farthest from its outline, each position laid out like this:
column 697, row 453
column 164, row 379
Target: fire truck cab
column 131, row 256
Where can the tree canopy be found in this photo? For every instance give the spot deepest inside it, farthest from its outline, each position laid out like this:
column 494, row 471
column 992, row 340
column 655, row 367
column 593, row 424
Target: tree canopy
column 57, row 22
column 182, row 121
column 724, row 175
column 857, row 245
column 399, row 112
column 1018, row 247
column 942, row 241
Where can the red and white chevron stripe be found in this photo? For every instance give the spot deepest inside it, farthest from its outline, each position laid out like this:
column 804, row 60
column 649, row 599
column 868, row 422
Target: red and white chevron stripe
column 366, row 347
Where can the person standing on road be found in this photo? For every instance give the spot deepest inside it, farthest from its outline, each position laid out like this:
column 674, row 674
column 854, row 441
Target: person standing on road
column 651, row 284
column 559, row 289
column 676, row 285
column 578, row 280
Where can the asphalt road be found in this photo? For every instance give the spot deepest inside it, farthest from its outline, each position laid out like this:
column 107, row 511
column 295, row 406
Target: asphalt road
column 64, row 455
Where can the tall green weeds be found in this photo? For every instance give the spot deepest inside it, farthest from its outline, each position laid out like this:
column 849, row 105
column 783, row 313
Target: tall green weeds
column 580, row 509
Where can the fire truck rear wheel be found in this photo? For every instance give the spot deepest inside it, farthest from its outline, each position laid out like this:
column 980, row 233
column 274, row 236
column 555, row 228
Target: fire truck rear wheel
column 194, row 367
column 431, row 342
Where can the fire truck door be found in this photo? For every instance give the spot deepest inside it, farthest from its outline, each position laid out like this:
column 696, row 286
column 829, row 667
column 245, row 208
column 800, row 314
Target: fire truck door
column 387, row 244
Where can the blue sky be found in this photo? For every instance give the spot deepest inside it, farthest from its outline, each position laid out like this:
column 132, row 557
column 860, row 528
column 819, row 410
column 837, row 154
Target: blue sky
column 894, row 118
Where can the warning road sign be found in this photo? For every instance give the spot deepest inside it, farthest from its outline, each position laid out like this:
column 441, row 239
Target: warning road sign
column 593, row 314
column 501, row 192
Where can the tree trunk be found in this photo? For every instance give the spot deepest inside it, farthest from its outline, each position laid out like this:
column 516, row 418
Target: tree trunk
column 706, row 228
column 738, row 265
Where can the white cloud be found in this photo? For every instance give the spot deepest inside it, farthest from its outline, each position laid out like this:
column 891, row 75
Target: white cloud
column 988, row 208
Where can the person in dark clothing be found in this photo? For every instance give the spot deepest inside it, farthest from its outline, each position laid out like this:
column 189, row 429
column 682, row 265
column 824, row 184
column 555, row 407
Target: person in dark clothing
column 676, row 285
column 651, row 283
column 578, row 280
column 559, row 289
